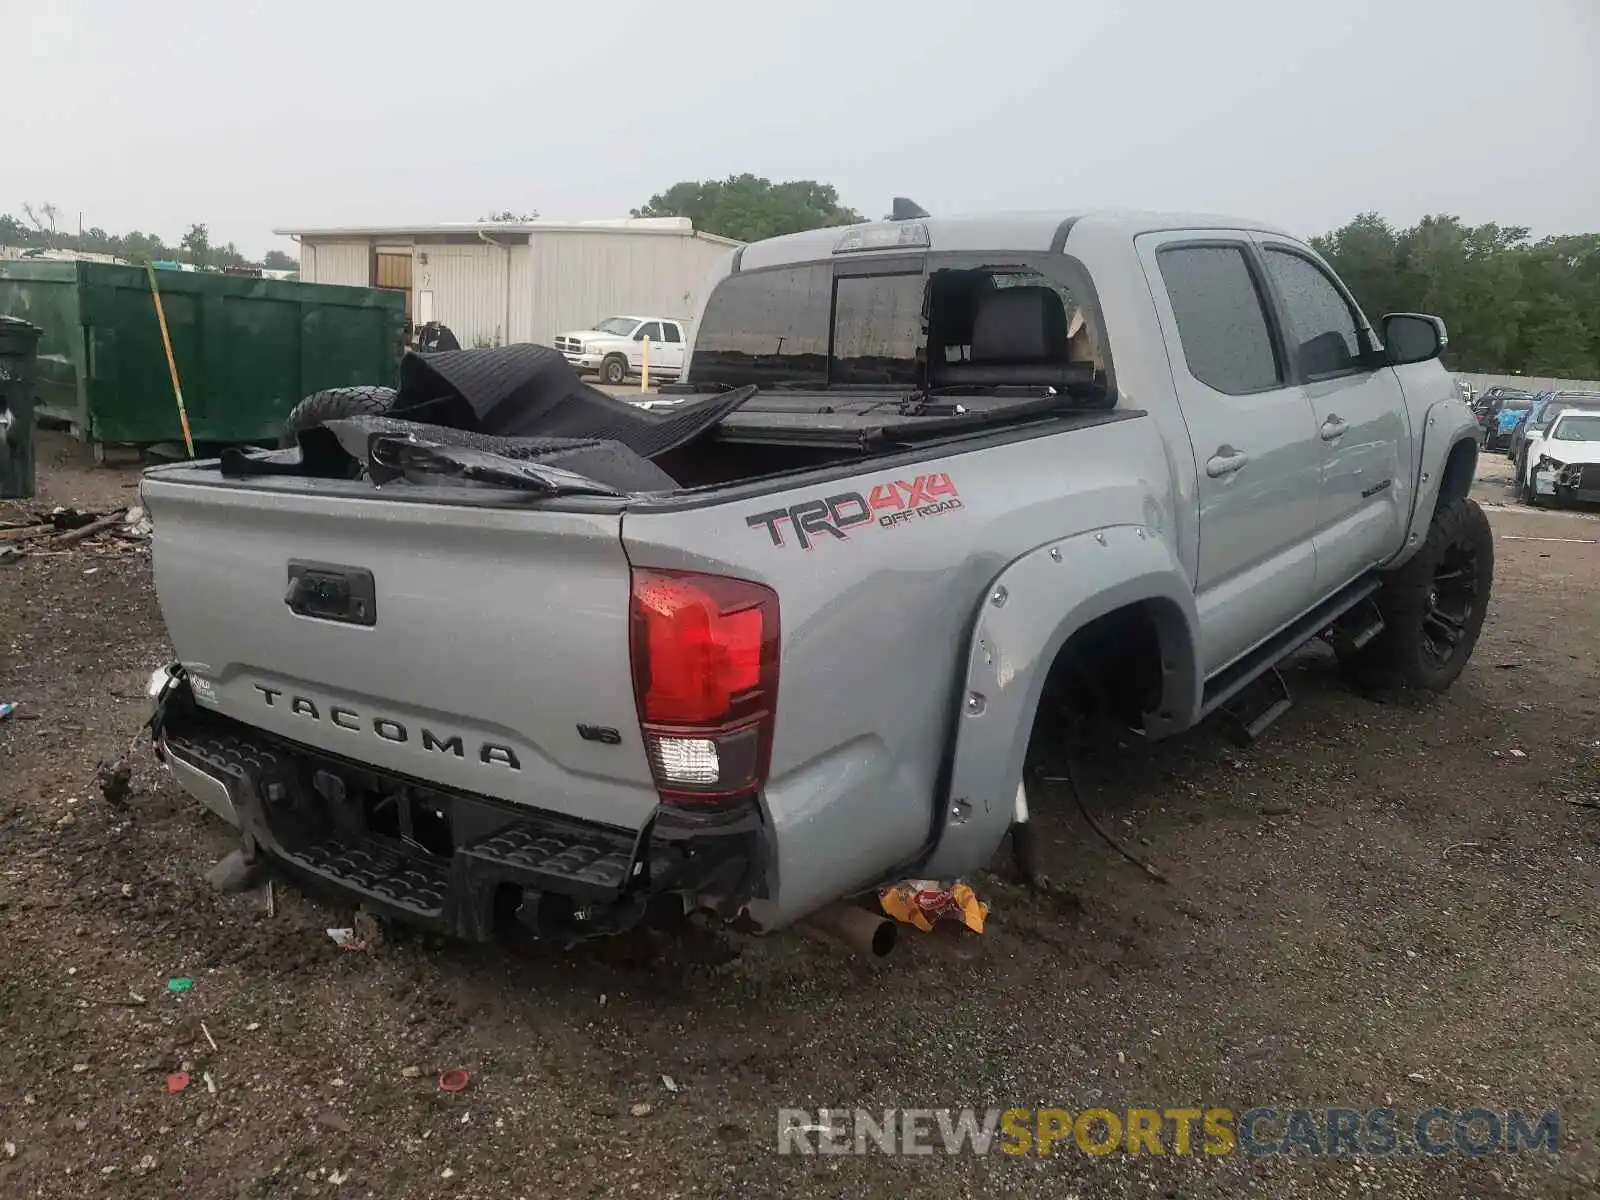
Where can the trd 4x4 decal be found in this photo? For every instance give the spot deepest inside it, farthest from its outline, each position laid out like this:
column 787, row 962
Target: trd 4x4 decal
column 886, row 505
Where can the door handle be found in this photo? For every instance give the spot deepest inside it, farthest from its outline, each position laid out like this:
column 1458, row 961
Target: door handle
column 1225, row 461
column 1333, row 427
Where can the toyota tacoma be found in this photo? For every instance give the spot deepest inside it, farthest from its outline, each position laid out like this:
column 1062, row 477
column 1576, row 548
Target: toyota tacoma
column 963, row 474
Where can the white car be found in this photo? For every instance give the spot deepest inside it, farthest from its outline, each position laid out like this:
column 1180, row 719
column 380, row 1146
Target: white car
column 615, row 347
column 1564, row 464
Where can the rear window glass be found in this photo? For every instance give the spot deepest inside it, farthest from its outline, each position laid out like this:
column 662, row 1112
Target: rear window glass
column 766, row 326
column 877, row 329
column 875, row 324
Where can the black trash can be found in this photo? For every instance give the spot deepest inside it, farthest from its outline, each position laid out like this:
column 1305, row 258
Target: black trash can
column 19, row 349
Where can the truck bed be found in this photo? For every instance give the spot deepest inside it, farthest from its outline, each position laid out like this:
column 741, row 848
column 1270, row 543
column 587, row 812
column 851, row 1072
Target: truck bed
column 461, row 646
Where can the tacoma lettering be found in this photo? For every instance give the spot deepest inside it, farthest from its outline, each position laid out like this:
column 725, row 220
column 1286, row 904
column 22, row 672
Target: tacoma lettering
column 490, row 754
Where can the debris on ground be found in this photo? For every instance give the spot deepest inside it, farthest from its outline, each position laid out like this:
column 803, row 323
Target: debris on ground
column 453, row 1080
column 179, row 983
column 924, row 902
column 115, row 780
column 177, row 1081
column 234, row 873
column 6, row 709
column 346, row 939
column 118, row 529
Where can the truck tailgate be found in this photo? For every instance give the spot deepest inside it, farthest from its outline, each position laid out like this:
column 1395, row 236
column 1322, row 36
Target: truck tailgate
column 491, row 657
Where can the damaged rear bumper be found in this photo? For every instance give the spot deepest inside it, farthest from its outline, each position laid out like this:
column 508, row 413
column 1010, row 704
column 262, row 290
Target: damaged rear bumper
column 435, row 857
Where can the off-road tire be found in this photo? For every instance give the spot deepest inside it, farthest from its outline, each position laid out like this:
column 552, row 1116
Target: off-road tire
column 332, row 404
column 1433, row 606
column 614, row 370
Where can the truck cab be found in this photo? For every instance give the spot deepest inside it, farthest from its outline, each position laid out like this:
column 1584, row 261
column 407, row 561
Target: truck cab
column 615, row 348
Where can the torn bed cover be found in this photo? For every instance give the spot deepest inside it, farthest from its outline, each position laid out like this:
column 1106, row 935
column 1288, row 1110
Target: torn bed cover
column 393, row 449
column 513, row 416
column 532, row 391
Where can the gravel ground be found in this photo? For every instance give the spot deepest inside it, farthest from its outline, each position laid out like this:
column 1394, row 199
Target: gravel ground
column 1378, row 904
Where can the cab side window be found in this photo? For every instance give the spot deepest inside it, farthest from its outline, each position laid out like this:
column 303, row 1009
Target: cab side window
column 1321, row 326
column 650, row 329
column 1222, row 321
column 669, row 332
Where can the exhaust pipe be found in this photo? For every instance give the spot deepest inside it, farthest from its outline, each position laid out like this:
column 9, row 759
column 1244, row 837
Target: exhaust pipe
column 869, row 934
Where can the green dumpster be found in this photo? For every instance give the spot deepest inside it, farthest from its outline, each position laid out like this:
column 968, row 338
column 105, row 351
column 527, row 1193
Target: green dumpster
column 18, row 348
column 246, row 349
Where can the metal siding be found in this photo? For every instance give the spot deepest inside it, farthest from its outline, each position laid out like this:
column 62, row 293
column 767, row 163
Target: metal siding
column 469, row 289
column 337, row 262
column 1529, row 383
column 561, row 280
column 571, row 280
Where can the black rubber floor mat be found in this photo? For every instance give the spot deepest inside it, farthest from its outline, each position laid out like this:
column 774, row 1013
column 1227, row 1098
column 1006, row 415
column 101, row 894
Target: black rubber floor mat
column 531, row 391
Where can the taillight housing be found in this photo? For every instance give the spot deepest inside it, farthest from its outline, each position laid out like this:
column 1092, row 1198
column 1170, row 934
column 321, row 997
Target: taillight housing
column 705, row 680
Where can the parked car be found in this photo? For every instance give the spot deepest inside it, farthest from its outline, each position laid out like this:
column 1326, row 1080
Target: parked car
column 1010, row 478
column 1547, row 406
column 1501, row 421
column 1566, row 466
column 1488, row 404
column 614, row 348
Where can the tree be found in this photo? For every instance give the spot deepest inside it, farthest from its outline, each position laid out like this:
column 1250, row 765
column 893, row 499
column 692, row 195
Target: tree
column 748, row 208
column 1509, row 305
column 197, row 245
column 43, row 218
column 508, row 215
column 277, row 260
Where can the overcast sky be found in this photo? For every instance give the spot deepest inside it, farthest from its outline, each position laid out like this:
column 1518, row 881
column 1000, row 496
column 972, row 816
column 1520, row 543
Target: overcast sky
column 249, row 116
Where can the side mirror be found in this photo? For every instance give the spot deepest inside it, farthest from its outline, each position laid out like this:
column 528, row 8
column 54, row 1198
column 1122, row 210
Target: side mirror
column 1413, row 338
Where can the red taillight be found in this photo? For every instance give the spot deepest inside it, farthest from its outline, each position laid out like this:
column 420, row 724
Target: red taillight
column 705, row 676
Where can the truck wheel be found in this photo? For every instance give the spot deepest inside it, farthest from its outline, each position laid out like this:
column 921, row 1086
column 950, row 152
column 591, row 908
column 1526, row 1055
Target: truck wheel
column 614, row 370
column 1433, row 606
column 334, row 403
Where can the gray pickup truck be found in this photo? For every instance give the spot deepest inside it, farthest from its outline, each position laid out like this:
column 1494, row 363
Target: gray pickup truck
column 991, row 468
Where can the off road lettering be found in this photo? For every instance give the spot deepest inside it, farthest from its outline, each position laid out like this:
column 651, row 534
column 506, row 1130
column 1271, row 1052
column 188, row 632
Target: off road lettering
column 887, row 504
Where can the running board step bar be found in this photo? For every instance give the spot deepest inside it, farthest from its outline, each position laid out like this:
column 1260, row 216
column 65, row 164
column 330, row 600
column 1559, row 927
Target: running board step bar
column 1272, row 699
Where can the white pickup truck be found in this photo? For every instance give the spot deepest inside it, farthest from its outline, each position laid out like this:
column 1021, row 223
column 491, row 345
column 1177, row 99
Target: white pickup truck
column 615, row 348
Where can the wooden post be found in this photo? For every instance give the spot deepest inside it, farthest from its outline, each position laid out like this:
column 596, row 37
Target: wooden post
column 172, row 363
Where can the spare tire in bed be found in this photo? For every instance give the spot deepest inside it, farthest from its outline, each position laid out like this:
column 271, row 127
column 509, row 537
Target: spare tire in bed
column 334, row 404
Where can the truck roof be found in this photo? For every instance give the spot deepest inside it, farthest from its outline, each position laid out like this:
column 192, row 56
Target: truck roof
column 1021, row 232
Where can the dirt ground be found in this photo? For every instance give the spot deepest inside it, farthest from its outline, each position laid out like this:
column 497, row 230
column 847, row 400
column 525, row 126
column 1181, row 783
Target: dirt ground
column 1382, row 902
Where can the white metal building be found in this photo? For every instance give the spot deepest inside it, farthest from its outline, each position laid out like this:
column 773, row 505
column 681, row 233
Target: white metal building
column 523, row 281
